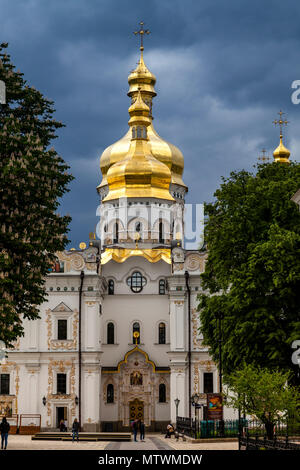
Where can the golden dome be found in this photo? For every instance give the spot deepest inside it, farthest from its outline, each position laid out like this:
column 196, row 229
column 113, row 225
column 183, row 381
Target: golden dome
column 139, row 174
column 281, row 153
column 141, row 78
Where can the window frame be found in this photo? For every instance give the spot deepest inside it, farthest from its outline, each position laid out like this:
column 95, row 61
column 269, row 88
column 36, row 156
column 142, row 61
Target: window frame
column 108, row 333
column 59, row 383
column 7, row 379
column 138, row 287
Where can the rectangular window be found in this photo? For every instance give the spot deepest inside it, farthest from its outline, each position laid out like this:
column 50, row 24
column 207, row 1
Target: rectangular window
column 62, row 331
column 4, row 384
column 62, row 383
column 208, row 382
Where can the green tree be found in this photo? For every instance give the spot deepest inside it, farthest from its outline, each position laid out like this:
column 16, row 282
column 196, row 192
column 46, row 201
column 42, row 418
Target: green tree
column 264, row 394
column 32, row 179
column 252, row 274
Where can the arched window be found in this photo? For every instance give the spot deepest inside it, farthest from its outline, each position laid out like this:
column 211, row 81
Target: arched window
column 136, row 282
column 144, row 132
column 136, row 328
column 162, row 393
column 111, row 287
column 138, row 227
column 161, row 232
column 162, row 333
column 162, row 287
column 133, row 132
column 110, row 393
column 116, row 233
column 110, row 333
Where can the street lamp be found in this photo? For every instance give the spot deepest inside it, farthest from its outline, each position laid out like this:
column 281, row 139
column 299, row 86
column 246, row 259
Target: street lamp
column 195, row 402
column 176, row 401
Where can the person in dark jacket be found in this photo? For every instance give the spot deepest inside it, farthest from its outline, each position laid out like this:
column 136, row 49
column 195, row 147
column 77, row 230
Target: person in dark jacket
column 142, row 430
column 4, row 429
column 75, row 429
column 135, row 429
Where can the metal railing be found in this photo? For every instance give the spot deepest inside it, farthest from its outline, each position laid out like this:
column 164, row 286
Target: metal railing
column 237, row 428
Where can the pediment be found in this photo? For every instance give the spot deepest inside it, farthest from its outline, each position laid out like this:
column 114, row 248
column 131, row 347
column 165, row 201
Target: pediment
column 62, row 307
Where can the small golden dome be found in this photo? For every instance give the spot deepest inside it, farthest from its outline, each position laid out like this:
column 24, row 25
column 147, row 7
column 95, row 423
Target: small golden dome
column 281, row 153
column 139, row 174
column 142, row 78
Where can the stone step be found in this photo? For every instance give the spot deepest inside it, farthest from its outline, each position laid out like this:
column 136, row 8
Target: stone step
column 105, row 436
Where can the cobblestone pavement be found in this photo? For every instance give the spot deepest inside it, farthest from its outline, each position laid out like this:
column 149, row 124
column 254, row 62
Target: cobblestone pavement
column 152, row 442
column 17, row 442
column 180, row 445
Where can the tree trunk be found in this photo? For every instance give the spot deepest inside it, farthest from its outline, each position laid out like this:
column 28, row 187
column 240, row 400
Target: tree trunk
column 269, row 430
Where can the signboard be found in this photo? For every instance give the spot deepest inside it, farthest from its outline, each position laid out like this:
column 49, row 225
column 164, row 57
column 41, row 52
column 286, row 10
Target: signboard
column 214, row 406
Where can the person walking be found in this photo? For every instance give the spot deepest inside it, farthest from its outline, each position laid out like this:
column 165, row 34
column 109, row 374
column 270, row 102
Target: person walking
column 142, row 431
column 75, row 429
column 4, row 429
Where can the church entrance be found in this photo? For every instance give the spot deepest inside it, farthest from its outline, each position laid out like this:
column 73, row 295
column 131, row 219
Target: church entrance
column 136, row 410
column 61, row 414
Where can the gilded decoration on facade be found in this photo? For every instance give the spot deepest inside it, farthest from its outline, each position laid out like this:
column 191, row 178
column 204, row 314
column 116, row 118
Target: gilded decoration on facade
column 58, row 344
column 195, row 322
column 62, row 367
column 178, row 266
column 11, row 400
column 122, row 254
column 207, row 364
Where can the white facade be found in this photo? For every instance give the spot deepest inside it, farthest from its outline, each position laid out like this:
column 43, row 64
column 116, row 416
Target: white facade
column 80, row 359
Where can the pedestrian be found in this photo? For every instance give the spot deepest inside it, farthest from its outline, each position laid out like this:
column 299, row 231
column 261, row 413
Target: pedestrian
column 61, row 425
column 75, row 429
column 4, row 429
column 135, row 429
column 170, row 431
column 66, row 425
column 142, row 431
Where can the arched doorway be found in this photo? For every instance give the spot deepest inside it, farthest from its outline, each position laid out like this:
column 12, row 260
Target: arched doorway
column 136, row 410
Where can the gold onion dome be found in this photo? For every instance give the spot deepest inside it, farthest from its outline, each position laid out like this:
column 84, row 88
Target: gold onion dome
column 281, row 154
column 167, row 153
column 139, row 173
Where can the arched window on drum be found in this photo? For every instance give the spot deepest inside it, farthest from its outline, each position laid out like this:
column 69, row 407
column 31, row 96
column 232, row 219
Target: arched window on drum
column 162, row 393
column 110, row 393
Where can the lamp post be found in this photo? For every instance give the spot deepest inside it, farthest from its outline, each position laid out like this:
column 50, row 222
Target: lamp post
column 195, row 400
column 176, row 401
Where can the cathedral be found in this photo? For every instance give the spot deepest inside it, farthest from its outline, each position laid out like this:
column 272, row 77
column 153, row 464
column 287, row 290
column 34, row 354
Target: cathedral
column 118, row 338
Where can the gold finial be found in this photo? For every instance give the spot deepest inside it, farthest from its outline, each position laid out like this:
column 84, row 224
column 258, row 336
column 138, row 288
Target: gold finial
column 281, row 154
column 136, row 335
column 82, row 245
column 141, row 32
column 280, row 121
column 136, row 237
column 263, row 158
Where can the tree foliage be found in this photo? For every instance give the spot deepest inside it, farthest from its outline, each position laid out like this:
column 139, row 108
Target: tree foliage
column 252, row 274
column 32, row 179
column 264, row 394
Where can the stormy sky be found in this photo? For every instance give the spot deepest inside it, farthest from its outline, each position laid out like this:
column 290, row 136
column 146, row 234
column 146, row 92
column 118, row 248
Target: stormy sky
column 224, row 69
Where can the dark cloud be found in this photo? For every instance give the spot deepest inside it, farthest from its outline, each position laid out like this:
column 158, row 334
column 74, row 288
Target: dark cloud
column 224, row 69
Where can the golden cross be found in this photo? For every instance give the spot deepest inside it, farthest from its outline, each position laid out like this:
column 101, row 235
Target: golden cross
column 141, row 32
column 263, row 157
column 280, row 121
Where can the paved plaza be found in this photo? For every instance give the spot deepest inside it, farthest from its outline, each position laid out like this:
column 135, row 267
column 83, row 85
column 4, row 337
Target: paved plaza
column 152, row 442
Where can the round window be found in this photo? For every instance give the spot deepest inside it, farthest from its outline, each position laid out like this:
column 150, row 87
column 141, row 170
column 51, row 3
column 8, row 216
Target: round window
column 136, row 282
